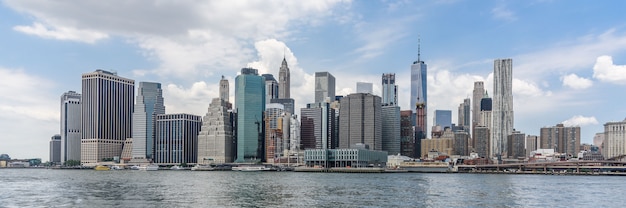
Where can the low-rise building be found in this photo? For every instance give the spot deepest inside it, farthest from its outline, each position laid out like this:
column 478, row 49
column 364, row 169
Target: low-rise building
column 353, row 158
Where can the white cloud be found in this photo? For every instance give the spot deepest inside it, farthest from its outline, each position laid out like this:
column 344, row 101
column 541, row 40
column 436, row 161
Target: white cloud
column 503, row 13
column 194, row 99
column 575, row 82
column 376, row 37
column 579, row 120
column 568, row 56
column 62, row 33
column 604, row 70
column 27, row 101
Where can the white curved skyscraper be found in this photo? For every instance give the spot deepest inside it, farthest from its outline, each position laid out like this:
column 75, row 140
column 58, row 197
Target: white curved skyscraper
column 502, row 111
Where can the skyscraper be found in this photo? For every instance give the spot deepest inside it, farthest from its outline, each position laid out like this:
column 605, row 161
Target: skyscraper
column 107, row 109
column 284, row 81
column 464, row 115
column 390, row 89
column 215, row 139
column 391, row 129
column 477, row 95
column 614, row 139
column 407, row 139
column 443, row 118
column 318, row 126
column 515, row 145
column 361, row 121
column 485, row 111
column 275, row 132
column 419, row 86
column 364, row 87
column 149, row 104
column 561, row 139
column 271, row 88
column 55, row 149
column 70, row 126
column 177, row 138
column 502, row 105
column 324, row 87
column 250, row 104
column 224, row 89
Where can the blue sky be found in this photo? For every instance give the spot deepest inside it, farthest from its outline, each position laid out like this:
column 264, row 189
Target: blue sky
column 569, row 60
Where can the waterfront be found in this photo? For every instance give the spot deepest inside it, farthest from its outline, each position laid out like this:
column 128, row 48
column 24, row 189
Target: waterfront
column 88, row 188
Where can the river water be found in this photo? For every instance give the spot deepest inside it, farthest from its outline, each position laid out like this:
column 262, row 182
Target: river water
column 89, row 188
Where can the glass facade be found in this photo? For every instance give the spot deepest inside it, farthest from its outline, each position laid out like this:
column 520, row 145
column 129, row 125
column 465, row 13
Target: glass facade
column 250, row 104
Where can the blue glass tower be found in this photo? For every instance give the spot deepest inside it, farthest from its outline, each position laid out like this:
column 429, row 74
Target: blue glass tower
column 250, row 104
column 419, row 87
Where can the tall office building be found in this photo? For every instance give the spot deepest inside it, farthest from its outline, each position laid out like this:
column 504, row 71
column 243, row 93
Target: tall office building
column 391, row 129
column 443, row 118
column 407, row 139
column 284, row 81
column 420, row 128
column 224, row 89
column 532, row 142
column 515, row 145
column 149, row 104
column 481, row 141
column 461, row 143
column 250, row 104
column 275, row 132
column 294, row 134
column 598, row 141
column 55, row 149
column 287, row 102
column 390, row 90
column 177, row 138
column 324, row 87
column 561, row 139
column 361, row 121
column 464, row 115
column 477, row 95
column 502, row 105
column 485, row 111
column 419, row 86
column 318, row 126
column 70, row 126
column 364, row 87
column 271, row 88
column 215, row 139
column 107, row 110
column 614, row 139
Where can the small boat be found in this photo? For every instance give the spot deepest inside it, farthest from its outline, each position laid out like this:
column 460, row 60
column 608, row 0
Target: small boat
column 251, row 168
column 116, row 167
column 176, row 167
column 102, row 167
column 152, row 167
column 134, row 167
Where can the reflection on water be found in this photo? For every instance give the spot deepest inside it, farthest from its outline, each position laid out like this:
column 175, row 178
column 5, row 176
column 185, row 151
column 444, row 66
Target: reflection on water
column 88, row 188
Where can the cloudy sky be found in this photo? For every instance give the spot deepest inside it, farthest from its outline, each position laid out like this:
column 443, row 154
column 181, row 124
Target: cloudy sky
column 569, row 57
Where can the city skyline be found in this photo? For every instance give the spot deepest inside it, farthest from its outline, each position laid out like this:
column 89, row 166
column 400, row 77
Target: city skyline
column 559, row 72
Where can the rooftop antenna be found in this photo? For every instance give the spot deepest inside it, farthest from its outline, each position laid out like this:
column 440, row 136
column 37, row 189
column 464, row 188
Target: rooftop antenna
column 418, row 48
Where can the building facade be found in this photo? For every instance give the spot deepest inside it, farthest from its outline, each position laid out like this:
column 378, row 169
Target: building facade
column 276, row 135
column 481, row 141
column 250, row 104
column 390, row 89
column 55, row 149
column 561, row 139
column 284, row 81
column 477, row 95
column 502, row 112
column 324, row 87
column 70, row 126
column 464, row 119
column 271, row 88
column 177, row 138
column 485, row 111
column 443, row 118
column 515, row 145
column 532, row 142
column 461, row 143
column 287, row 102
column 407, row 139
column 107, row 108
column 391, row 129
column 614, row 139
column 365, row 87
column 215, row 139
column 419, row 92
column 148, row 104
column 360, row 121
column 318, row 127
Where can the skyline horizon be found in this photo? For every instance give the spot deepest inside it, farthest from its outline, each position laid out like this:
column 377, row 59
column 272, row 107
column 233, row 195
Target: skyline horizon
column 569, row 66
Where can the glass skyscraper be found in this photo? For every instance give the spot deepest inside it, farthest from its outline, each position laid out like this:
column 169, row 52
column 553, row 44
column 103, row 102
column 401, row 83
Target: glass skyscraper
column 250, row 104
column 390, row 89
column 149, row 103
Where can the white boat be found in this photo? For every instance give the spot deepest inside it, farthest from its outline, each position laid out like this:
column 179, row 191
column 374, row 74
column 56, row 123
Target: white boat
column 150, row 167
column 176, row 167
column 250, row 168
column 116, row 167
column 134, row 167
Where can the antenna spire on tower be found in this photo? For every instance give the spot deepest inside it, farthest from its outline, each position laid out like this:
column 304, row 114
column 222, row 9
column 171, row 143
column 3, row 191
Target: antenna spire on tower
column 418, row 48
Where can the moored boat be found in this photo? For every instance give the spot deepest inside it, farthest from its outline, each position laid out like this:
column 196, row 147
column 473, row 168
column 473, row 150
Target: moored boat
column 250, row 168
column 102, row 167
